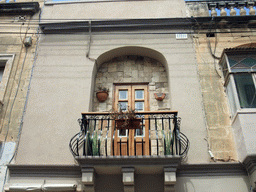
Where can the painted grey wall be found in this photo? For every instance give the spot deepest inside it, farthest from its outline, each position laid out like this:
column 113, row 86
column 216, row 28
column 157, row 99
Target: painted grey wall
column 213, row 184
column 244, row 131
column 114, row 10
column 61, row 89
column 143, row 182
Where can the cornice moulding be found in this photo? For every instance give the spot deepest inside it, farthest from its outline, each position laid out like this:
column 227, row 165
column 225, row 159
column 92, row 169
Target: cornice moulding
column 75, row 171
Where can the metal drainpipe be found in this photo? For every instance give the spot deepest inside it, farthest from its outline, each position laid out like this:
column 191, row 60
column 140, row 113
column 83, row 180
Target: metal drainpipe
column 89, row 43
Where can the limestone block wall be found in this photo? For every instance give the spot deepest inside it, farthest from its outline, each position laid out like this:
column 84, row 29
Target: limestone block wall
column 132, row 69
column 197, row 9
column 14, row 85
column 17, row 73
column 217, row 113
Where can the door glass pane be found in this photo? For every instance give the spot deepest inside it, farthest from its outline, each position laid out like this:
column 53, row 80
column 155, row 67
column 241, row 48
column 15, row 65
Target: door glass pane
column 123, row 106
column 139, row 106
column 139, row 94
column 246, row 90
column 140, row 132
column 122, row 132
column 123, row 94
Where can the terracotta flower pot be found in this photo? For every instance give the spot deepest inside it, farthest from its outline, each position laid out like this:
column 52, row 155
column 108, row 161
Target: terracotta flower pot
column 159, row 96
column 131, row 124
column 102, row 96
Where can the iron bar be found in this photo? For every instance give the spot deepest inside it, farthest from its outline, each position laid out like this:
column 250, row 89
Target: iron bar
column 98, row 124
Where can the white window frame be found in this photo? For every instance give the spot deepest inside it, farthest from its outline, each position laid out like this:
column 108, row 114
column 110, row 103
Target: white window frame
column 230, row 79
column 8, row 58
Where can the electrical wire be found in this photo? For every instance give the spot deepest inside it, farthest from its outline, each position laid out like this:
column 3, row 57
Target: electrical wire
column 9, row 121
column 12, row 105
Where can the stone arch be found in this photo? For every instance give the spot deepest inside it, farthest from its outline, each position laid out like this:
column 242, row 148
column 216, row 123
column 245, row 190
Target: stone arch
column 132, row 64
column 131, row 50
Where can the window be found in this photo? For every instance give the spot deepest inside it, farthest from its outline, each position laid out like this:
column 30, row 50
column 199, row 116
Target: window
column 239, row 70
column 2, row 66
column 6, row 61
column 132, row 96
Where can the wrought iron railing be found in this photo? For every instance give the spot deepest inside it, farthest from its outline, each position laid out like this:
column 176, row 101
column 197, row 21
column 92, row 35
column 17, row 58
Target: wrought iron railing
column 98, row 133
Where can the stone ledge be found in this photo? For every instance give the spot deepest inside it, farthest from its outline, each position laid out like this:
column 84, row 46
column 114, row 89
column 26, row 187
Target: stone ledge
column 183, row 170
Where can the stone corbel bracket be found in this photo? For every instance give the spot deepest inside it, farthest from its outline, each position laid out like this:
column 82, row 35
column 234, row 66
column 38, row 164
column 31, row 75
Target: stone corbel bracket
column 169, row 178
column 128, row 178
column 88, row 178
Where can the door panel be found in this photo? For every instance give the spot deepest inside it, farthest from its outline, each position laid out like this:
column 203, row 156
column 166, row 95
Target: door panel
column 130, row 141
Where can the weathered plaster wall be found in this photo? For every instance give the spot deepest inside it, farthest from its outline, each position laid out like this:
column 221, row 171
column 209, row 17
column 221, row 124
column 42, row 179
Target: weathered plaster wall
column 61, row 89
column 19, row 71
column 15, row 82
column 220, row 136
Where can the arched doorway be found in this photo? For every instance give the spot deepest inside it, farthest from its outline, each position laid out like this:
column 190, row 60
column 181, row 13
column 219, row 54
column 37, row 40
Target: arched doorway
column 132, row 81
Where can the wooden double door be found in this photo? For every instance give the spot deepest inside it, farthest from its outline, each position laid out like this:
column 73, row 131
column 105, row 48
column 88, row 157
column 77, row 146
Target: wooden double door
column 132, row 141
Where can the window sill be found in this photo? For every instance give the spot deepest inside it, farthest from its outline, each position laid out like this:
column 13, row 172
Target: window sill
column 243, row 111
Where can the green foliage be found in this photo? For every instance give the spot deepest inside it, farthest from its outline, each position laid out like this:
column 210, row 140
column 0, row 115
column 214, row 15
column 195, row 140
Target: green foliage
column 88, row 144
column 168, row 144
column 95, row 144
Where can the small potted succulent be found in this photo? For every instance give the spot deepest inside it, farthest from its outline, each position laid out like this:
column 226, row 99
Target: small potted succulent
column 102, row 93
column 126, row 119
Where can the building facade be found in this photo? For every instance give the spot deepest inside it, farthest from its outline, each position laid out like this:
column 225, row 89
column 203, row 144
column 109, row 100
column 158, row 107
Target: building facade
column 166, row 60
column 18, row 39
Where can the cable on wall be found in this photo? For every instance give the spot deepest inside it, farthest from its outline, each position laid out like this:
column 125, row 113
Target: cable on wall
column 15, row 96
column 89, row 43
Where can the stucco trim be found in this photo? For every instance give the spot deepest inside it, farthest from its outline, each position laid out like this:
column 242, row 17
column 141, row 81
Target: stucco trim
column 116, row 25
column 70, row 171
column 212, row 169
column 160, row 162
column 129, row 160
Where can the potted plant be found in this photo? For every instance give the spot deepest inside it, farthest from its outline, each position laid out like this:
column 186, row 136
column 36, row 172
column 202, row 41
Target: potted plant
column 102, row 93
column 126, row 119
column 159, row 96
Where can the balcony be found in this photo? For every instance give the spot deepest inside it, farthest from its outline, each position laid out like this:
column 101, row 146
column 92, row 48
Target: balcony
column 159, row 135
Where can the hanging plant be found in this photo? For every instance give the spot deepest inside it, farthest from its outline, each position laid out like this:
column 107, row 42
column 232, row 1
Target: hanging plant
column 126, row 119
